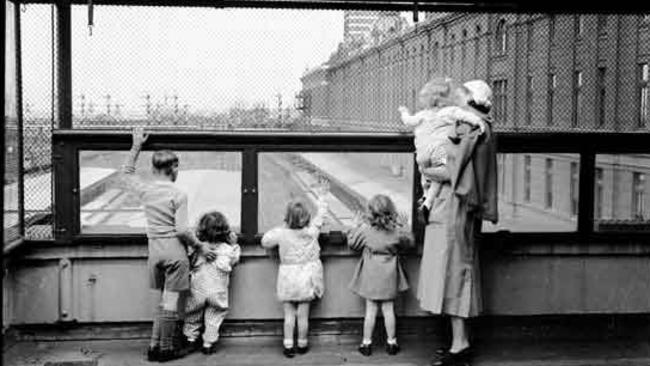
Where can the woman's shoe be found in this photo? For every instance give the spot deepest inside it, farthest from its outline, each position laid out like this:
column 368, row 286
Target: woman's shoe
column 170, row 354
column 461, row 358
column 365, row 349
column 153, row 353
column 392, row 349
column 289, row 352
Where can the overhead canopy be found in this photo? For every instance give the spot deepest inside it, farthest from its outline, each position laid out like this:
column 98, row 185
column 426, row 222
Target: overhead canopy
column 546, row 6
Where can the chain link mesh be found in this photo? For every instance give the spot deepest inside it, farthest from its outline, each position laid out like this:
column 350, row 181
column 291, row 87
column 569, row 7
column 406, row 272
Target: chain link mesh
column 323, row 71
column 36, row 42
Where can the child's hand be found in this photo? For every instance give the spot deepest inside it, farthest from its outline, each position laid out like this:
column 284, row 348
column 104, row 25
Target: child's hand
column 232, row 238
column 323, row 188
column 403, row 110
column 402, row 219
column 357, row 220
column 139, row 138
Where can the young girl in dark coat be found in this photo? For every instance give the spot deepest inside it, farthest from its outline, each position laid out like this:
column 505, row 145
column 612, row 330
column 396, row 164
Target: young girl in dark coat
column 379, row 276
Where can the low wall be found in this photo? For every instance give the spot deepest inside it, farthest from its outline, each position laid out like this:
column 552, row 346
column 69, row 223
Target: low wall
column 95, row 284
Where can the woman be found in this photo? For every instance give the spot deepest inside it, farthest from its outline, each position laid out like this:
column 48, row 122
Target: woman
column 449, row 273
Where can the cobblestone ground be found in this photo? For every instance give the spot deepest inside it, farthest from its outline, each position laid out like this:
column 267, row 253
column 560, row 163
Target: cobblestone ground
column 330, row 350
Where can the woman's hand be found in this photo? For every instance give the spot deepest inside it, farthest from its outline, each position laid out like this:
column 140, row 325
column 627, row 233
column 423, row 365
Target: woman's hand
column 139, row 137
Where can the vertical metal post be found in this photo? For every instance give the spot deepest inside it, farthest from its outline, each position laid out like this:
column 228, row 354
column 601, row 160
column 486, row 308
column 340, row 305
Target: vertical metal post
column 249, row 193
column 586, row 192
column 19, row 115
column 63, row 64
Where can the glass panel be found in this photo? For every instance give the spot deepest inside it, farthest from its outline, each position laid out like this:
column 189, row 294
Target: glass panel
column 354, row 179
column 11, row 221
column 211, row 179
column 622, row 192
column 537, row 193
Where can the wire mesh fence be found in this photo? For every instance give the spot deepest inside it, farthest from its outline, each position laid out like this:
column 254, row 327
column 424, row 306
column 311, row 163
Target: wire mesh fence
column 323, row 70
column 38, row 116
column 180, row 69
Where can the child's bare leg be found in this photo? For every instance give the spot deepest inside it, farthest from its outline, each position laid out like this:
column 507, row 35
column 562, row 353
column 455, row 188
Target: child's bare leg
column 303, row 323
column 369, row 321
column 387, row 309
column 289, row 323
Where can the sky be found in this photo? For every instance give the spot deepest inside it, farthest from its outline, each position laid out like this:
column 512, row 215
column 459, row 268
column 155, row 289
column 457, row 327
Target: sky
column 209, row 58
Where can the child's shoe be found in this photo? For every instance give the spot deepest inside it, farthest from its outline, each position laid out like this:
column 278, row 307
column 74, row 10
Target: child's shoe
column 392, row 348
column 302, row 350
column 365, row 349
column 289, row 352
column 208, row 350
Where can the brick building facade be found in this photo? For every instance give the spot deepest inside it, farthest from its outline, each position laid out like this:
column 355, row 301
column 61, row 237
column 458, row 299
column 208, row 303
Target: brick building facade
column 548, row 72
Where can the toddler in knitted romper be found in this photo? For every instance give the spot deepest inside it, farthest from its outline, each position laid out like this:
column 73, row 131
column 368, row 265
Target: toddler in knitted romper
column 434, row 127
column 207, row 304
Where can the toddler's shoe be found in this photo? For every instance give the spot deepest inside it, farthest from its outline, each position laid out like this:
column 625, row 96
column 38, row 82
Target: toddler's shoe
column 289, row 352
column 302, row 350
column 365, row 349
column 392, row 349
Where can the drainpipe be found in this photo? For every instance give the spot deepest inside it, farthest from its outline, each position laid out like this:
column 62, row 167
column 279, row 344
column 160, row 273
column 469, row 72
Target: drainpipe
column 65, row 290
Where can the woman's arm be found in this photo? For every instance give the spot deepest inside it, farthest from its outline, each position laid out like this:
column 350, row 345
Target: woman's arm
column 438, row 173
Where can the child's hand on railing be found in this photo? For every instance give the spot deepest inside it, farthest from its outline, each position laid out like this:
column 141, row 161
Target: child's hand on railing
column 323, row 188
column 357, row 220
column 403, row 110
column 402, row 220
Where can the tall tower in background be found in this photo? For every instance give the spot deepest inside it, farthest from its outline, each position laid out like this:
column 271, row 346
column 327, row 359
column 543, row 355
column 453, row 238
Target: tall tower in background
column 357, row 24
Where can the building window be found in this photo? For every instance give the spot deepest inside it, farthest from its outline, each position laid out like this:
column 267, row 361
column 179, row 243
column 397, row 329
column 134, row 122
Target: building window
column 550, row 95
column 577, row 97
column 573, row 188
column 601, row 96
column 579, row 25
column 500, row 100
column 529, row 99
column 598, row 204
column 548, row 201
column 638, row 192
column 602, row 24
column 501, row 38
column 644, row 95
column 527, row 178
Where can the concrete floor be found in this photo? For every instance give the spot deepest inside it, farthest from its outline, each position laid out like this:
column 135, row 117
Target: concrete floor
column 329, row 350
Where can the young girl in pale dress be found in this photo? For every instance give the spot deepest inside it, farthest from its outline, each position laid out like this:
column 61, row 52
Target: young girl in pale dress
column 379, row 276
column 300, row 275
column 442, row 103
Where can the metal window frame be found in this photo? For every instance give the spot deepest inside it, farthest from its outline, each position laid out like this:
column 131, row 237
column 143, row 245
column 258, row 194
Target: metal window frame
column 69, row 142
column 20, row 238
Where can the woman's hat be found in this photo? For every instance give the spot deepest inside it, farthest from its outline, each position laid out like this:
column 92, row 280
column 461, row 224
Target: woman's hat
column 481, row 92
